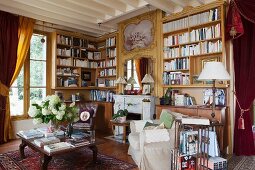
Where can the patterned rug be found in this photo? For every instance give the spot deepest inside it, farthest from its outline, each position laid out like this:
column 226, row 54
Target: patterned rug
column 81, row 159
column 241, row 163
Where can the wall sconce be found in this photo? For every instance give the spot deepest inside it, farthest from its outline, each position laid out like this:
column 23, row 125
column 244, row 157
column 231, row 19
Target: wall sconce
column 121, row 81
column 147, row 80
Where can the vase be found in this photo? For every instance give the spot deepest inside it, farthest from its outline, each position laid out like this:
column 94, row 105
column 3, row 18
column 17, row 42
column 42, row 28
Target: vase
column 54, row 126
column 121, row 119
column 69, row 130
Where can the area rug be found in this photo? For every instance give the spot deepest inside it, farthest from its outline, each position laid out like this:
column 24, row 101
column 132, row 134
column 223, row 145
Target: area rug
column 81, row 159
column 241, row 163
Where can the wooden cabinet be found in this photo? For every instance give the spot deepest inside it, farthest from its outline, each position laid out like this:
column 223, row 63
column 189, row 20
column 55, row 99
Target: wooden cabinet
column 190, row 39
column 221, row 114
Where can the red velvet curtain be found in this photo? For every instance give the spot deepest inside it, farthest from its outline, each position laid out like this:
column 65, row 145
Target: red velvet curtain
column 8, row 56
column 244, row 65
column 143, row 67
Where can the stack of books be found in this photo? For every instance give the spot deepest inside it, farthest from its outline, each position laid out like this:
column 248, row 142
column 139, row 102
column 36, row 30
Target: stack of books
column 57, row 146
column 46, row 141
column 78, row 142
column 32, row 133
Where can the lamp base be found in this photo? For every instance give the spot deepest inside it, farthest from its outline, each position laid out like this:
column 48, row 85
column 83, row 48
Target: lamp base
column 213, row 121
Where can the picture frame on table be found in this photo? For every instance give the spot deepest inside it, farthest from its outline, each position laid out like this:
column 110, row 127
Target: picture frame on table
column 146, row 89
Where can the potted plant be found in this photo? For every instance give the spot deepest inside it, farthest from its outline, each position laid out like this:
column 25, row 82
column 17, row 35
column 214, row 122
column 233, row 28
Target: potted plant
column 120, row 116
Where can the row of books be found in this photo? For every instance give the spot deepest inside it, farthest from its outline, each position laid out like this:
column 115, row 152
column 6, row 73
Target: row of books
column 105, row 82
column 189, row 50
column 211, row 47
column 111, row 53
column 64, row 61
column 64, row 51
column 177, row 64
column 171, row 52
column 205, row 33
column 68, row 82
column 61, row 39
column 176, row 39
column 110, row 42
column 111, row 63
column 176, row 78
column 189, row 142
column 85, row 63
column 67, row 72
column 208, row 16
column 183, row 100
column 100, row 95
column 107, row 72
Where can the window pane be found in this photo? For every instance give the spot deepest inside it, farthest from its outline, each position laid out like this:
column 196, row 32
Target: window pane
column 37, row 48
column 129, row 66
column 19, row 82
column 16, row 101
column 37, row 73
column 129, row 74
column 37, row 94
column 136, row 86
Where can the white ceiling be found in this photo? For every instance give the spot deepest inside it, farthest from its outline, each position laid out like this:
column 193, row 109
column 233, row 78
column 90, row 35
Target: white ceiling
column 93, row 17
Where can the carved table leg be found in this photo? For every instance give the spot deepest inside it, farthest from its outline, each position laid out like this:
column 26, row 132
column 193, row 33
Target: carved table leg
column 94, row 150
column 45, row 159
column 21, row 149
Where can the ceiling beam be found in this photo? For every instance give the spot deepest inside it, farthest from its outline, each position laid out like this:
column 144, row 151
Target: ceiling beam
column 133, row 3
column 181, row 3
column 117, row 5
column 50, row 20
column 45, row 16
column 162, row 4
column 62, row 10
column 201, row 2
column 94, row 6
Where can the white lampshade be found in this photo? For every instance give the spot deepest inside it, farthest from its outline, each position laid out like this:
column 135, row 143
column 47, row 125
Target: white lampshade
column 131, row 80
column 214, row 71
column 147, row 79
column 121, row 80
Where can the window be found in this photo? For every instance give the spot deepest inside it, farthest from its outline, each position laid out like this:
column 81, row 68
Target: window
column 31, row 83
column 131, row 72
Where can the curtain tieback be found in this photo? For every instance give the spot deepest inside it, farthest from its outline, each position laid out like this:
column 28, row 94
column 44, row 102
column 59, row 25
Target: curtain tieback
column 241, row 119
column 4, row 90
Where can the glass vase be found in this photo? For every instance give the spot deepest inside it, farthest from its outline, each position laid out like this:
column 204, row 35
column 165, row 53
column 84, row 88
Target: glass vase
column 54, row 126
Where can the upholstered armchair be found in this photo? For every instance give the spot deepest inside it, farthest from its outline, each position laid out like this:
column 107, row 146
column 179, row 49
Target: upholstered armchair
column 151, row 149
column 87, row 116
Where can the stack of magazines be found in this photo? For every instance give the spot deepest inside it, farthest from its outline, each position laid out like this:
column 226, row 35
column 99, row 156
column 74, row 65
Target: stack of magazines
column 32, row 133
column 46, row 141
column 57, row 146
column 78, row 142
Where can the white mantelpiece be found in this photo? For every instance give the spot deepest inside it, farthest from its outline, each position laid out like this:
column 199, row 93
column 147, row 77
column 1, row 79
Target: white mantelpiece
column 140, row 104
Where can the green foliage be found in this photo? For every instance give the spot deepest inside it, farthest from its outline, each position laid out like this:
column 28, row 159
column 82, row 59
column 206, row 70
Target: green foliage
column 120, row 113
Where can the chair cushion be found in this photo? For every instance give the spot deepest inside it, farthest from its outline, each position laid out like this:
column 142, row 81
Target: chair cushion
column 167, row 118
column 156, row 135
column 149, row 126
column 134, row 140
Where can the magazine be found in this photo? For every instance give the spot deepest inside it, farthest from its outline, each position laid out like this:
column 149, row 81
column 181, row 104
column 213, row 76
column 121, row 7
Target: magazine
column 57, row 146
column 46, row 141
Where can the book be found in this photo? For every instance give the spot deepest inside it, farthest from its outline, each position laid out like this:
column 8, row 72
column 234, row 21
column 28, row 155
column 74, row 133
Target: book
column 46, row 132
column 213, row 148
column 80, row 142
column 187, row 162
column 46, row 141
column 214, row 163
column 32, row 133
column 57, row 146
column 195, row 120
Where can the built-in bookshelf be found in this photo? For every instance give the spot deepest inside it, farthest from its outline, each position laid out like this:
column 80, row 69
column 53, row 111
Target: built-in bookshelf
column 190, row 39
column 84, row 63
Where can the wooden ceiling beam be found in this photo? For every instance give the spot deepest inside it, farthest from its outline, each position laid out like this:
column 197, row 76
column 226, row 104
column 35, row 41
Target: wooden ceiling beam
column 163, row 5
column 116, row 5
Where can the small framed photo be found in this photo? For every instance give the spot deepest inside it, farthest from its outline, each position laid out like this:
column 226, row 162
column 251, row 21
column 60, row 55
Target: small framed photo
column 86, row 76
column 146, row 89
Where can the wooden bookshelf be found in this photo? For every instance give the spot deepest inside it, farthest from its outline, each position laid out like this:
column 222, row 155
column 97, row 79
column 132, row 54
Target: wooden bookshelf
column 190, row 39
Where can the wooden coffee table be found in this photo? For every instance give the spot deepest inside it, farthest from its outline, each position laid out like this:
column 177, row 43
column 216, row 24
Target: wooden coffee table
column 46, row 156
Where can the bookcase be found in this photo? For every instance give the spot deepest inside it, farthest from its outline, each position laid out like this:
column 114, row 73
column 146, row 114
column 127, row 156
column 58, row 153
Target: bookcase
column 84, row 63
column 190, row 39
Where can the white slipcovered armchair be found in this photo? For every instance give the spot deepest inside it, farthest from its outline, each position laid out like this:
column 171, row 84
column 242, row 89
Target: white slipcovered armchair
column 150, row 149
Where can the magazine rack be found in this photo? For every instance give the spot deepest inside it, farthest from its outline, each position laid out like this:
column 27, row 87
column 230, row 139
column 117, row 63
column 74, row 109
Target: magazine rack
column 199, row 158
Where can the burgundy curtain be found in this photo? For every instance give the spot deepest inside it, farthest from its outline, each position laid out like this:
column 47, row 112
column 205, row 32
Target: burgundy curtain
column 244, row 65
column 8, row 56
column 143, row 67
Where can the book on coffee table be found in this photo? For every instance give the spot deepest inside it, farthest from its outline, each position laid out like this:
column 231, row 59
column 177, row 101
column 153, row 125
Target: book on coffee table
column 32, row 133
column 57, row 147
column 46, row 141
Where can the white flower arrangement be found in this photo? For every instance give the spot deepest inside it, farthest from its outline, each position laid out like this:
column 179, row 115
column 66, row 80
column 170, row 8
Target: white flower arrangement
column 52, row 108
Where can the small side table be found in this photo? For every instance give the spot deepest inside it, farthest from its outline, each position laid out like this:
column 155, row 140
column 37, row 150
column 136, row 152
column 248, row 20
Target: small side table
column 125, row 125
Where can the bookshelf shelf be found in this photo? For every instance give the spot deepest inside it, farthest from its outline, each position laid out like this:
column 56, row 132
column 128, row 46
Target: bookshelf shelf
column 196, row 86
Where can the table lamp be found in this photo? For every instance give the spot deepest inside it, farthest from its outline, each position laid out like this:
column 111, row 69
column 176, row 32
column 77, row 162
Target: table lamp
column 147, row 79
column 214, row 71
column 121, row 81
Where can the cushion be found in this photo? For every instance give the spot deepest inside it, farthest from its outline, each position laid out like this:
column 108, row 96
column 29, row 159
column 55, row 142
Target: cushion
column 156, row 135
column 149, row 126
column 139, row 125
column 167, row 118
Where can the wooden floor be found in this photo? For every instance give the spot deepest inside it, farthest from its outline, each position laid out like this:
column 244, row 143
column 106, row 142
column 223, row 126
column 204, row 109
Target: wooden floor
column 105, row 146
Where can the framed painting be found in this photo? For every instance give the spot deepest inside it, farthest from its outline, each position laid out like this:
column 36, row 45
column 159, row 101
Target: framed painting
column 138, row 35
column 86, row 76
